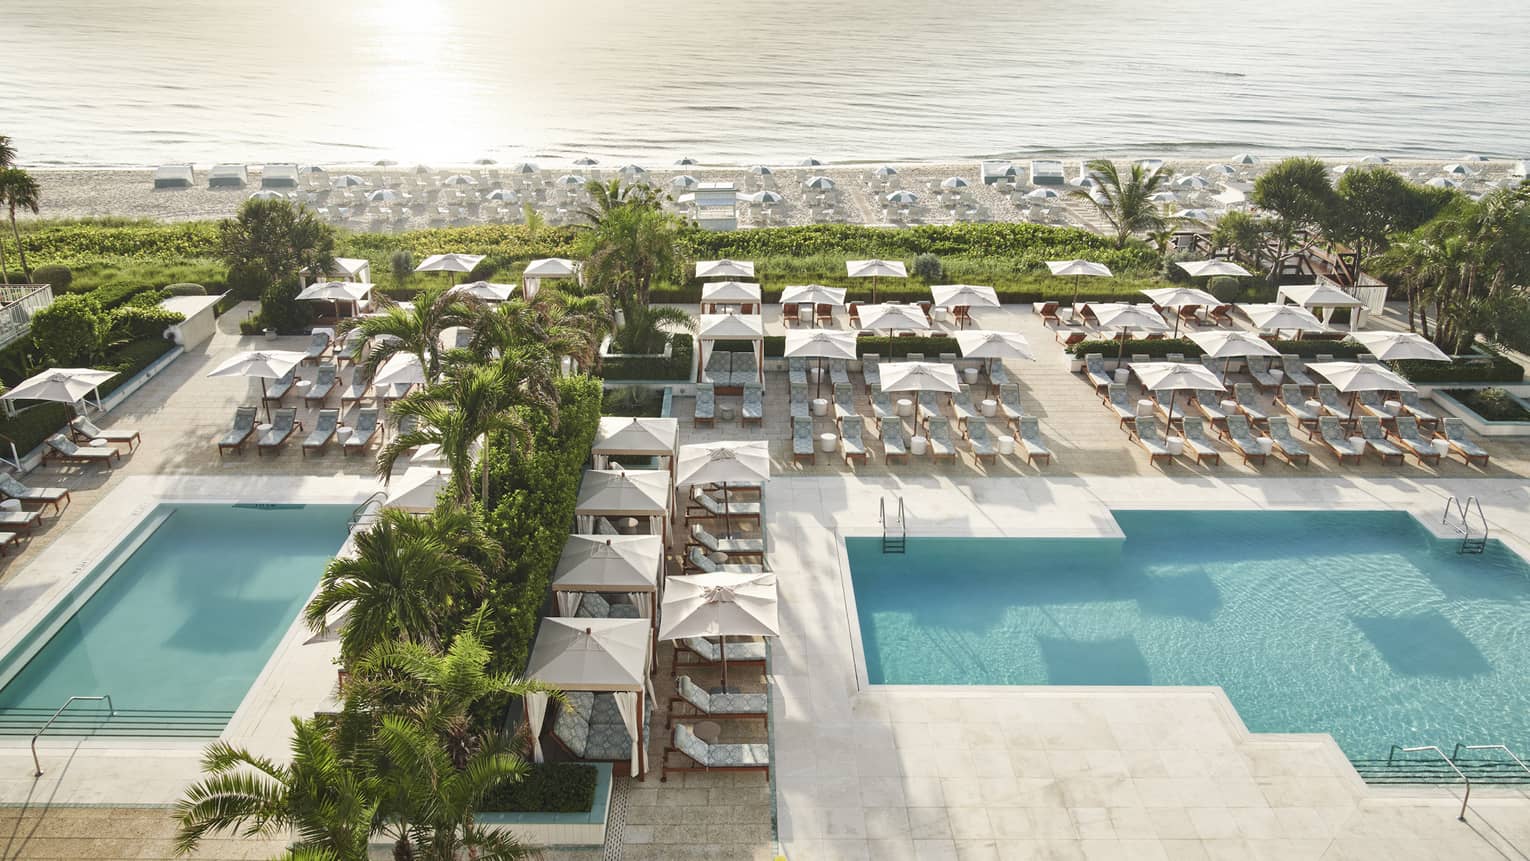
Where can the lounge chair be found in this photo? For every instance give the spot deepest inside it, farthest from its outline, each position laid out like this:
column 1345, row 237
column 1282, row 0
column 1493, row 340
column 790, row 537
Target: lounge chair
column 62, row 448
column 1220, row 314
column 1453, row 431
column 1372, row 405
column 1295, row 371
column 351, row 348
column 19, row 521
column 823, row 315
column 57, row 497
column 951, row 359
column 323, row 384
column 839, row 372
column 1328, row 396
column 1145, row 431
column 356, row 391
column 1414, row 407
column 844, row 403
column 706, row 404
column 937, row 433
column 913, row 357
column 700, row 651
column 961, row 403
column 1376, row 440
column 871, row 371
column 701, row 504
column 1048, row 312
column 1248, row 403
column 752, row 411
column 86, row 430
column 712, row 757
column 997, row 375
column 730, row 546
column 851, row 438
column 1009, row 402
column 1070, row 337
column 1209, row 404
column 804, row 446
column 1405, row 431
column 240, row 433
column 1294, row 403
column 1293, row 451
column 278, row 390
column 692, row 702
column 981, row 441
column 283, row 423
column 929, row 405
column 362, row 432
column 853, row 309
column 7, row 540
column 1194, row 433
column 745, row 370
column 1094, row 368
column 799, row 401
column 1259, row 368
column 697, row 560
column 1118, row 401
column 718, row 370
column 1332, row 434
column 796, row 370
column 324, row 429
column 1240, row 433
column 892, row 441
column 1030, row 439
column 318, row 344
column 1215, row 366
column 881, row 407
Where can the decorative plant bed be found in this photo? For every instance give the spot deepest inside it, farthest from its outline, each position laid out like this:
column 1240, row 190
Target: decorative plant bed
column 1490, row 411
column 582, row 828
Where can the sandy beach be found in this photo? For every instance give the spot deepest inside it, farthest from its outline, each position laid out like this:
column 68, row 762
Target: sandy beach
column 859, row 197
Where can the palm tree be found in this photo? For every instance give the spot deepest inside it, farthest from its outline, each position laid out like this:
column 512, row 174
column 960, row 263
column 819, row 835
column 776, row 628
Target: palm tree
column 1125, row 202
column 415, row 330
column 19, row 189
column 330, row 804
column 412, row 579
column 631, row 248
column 566, row 325
column 7, row 159
column 644, row 328
column 608, row 196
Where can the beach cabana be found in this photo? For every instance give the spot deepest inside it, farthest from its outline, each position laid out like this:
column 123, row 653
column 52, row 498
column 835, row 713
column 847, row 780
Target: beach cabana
column 1323, row 299
column 1047, row 172
column 724, row 269
column 623, row 494
column 625, row 565
column 280, row 176
column 635, row 436
column 449, row 263
column 743, row 294
column 174, row 176
column 228, row 176
column 358, row 295
column 345, row 269
column 602, row 666
column 484, row 291
column 733, row 327
column 548, row 267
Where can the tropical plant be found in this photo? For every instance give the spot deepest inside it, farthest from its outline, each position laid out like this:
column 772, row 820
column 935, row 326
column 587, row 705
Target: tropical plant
column 1297, row 194
column 415, row 330
column 1125, row 201
column 927, row 268
column 645, row 328
column 535, row 220
column 631, row 247
column 605, row 197
column 401, row 266
column 70, row 330
column 19, row 190
column 7, row 160
column 1374, row 204
column 566, row 324
column 276, row 240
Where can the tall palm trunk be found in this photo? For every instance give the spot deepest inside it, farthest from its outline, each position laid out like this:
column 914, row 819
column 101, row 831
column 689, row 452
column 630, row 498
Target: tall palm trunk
column 5, row 272
column 20, row 251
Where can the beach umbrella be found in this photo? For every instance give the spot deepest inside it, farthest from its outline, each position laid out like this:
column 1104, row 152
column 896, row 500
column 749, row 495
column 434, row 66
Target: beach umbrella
column 730, row 293
column 820, row 344
column 1374, row 159
column 1231, row 345
column 1277, row 317
column 819, row 183
column 723, row 463
column 484, row 161
column 484, row 291
column 719, row 604
column 1399, row 346
column 459, row 179
column 809, row 162
column 570, row 180
column 1202, row 215
column 421, row 169
column 267, row 194
column 760, row 170
column 631, row 171
column 263, row 364
column 585, row 161
column 313, row 168
column 1192, row 181
column 1179, row 297
column 919, row 377
column 384, row 195
column 1357, row 377
column 1458, row 169
column 685, row 161
column 903, row 197
column 65, row 385
column 724, row 269
column 953, row 183
column 503, row 194
column 1208, row 268
column 449, row 263
column 1085, row 182
column 335, row 292
column 1442, row 182
column 875, row 269
column 1173, row 377
column 384, row 162
column 993, row 346
column 523, row 167
column 685, row 180
column 400, row 369
column 1244, row 158
column 1077, row 269
column 1042, row 194
column 1218, row 170
column 1471, row 156
column 347, row 180
column 1127, row 317
column 1163, row 197
column 812, row 294
column 1321, row 295
column 885, row 170
column 963, row 295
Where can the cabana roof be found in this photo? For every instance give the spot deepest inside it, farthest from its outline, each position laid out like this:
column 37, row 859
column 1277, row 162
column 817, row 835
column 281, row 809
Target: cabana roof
column 730, row 291
column 636, row 436
column 609, row 563
column 604, row 492
column 552, row 267
column 591, row 654
column 227, row 176
column 1319, row 296
column 279, row 176
column 723, row 327
column 173, row 176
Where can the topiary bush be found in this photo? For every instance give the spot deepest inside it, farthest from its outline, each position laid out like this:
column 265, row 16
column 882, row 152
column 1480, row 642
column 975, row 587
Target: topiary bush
column 186, row 289
column 1225, row 288
column 138, row 323
column 401, row 266
column 927, row 268
column 549, row 787
column 57, row 276
column 69, row 330
column 280, row 309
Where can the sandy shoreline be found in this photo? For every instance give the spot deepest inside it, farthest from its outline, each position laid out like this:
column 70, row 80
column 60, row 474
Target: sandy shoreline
column 859, row 197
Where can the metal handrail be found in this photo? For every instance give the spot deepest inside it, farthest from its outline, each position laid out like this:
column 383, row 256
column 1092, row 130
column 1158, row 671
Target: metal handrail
column 357, row 512
column 1460, row 747
column 111, row 710
column 1459, row 773
column 1463, row 509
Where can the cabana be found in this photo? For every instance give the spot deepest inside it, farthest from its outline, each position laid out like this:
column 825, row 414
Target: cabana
column 628, row 566
column 547, row 267
column 728, row 372
column 634, row 495
column 228, row 176
column 279, row 176
column 724, row 269
column 356, row 294
column 174, row 176
column 635, row 436
column 1324, row 296
column 1047, row 172
column 602, row 667
column 743, row 294
column 345, row 269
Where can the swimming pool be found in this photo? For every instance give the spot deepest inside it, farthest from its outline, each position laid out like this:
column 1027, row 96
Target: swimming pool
column 181, row 616
column 1358, row 624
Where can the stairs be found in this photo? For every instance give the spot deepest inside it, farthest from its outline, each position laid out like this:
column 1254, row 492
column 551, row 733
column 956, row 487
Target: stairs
column 1474, row 534
column 1436, row 771
column 894, row 531
column 124, row 723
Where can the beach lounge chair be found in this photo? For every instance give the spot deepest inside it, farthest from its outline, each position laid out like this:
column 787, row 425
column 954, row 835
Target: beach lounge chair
column 702, row 505
column 362, row 432
column 1280, row 434
column 351, row 348
column 356, row 391
column 86, row 430
column 1294, row 403
column 844, row 403
column 318, row 343
column 1070, row 337
column 1296, row 371
column 240, row 433
column 1407, row 435
column 283, row 423
column 1323, row 357
column 852, row 442
column 871, row 371
column 278, row 390
column 1030, row 439
column 1259, row 368
column 881, row 407
column 730, row 546
column 57, row 497
column 1209, row 404
column 1215, row 366
column 62, row 448
column 796, row 370
column 692, row 702
column 1194, row 433
column 1328, row 396
column 745, row 370
column 1094, row 368
column 823, row 315
column 1125, row 409
column 1376, row 440
column 323, row 384
column 1332, row 434
column 1048, row 312
column 913, row 357
column 696, row 560
column 1145, row 431
column 929, row 405
column 799, row 401
column 688, row 748
column 804, row 447
column 961, row 402
column 1372, row 405
column 937, row 432
column 752, row 411
column 854, row 311
column 951, row 359
column 1240, row 433
column 997, row 375
column 706, row 404
column 1009, row 401
column 701, row 651
column 892, row 441
column 718, row 369
column 19, row 521
column 1414, row 407
column 1453, row 431
column 981, row 441
column 1248, row 403
column 839, row 372
column 324, row 429
column 1220, row 315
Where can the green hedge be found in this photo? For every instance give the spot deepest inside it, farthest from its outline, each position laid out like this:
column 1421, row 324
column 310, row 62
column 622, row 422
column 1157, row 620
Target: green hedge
column 676, row 367
column 1477, row 369
column 881, row 345
column 1158, row 348
column 29, row 428
column 549, row 787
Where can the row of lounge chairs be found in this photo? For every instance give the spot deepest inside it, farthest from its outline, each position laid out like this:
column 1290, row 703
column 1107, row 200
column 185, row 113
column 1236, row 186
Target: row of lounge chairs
column 285, row 423
column 938, row 439
column 1392, row 447
column 751, row 410
column 100, row 445
column 327, row 380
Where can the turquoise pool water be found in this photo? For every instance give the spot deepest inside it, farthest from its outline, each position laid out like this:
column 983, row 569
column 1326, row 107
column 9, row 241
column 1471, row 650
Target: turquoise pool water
column 1357, row 624
column 188, row 619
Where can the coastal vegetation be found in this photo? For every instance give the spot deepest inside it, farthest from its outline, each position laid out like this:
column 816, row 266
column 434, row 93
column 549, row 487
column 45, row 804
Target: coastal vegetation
column 1125, row 200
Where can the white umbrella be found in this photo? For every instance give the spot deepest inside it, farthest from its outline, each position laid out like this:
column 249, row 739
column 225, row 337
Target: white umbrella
column 723, row 463
column 764, row 197
column 720, row 604
column 685, row 180
column 1230, row 345
column 1077, row 269
column 551, row 267
column 609, row 563
column 1208, row 268
column 1244, row 158
column 336, row 292
column 875, row 269
column 885, row 170
column 893, row 315
column 730, row 293
column 964, row 296
column 1194, row 215
column 1174, row 377
column 1442, row 182
column 1325, row 296
column 593, row 655
column 400, row 368
column 990, row 346
column 65, row 385
column 569, row 180
column 953, row 182
column 1179, row 297
column 760, row 170
column 919, row 377
column 585, row 161
column 1396, row 346
column 819, row 183
column 1218, row 170
column 421, row 169
column 384, row 195
column 1277, row 317
column 1192, row 181
column 1042, row 194
column 384, row 162
column 685, row 161
column 484, row 161
column 524, row 167
column 809, row 162
column 904, row 197
column 812, row 294
column 820, row 344
column 724, row 269
column 487, row 291
column 504, row 195
column 1357, row 377
column 1163, row 197
column 1128, row 317
column 348, row 180
column 417, row 488
column 459, row 179
column 449, row 263
column 631, row 171
column 267, row 194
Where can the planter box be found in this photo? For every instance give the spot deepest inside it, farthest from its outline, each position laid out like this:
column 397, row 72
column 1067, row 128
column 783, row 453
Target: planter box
column 560, row 829
column 1478, row 424
column 605, row 352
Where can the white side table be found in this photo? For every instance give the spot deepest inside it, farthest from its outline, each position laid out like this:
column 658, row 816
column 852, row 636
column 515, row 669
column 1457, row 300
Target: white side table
column 1357, row 443
column 1266, row 445
column 1145, row 407
column 820, row 406
column 990, row 407
column 1441, row 446
column 905, row 407
column 1006, row 445
column 1175, row 445
column 827, row 442
column 917, row 445
column 1123, row 375
column 726, row 411
column 970, row 375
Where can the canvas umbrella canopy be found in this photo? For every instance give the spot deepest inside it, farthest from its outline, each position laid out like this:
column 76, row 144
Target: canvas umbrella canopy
column 1173, row 377
column 484, row 290
column 719, row 604
column 347, row 180
column 953, row 183
column 1077, row 269
column 964, row 296
column 631, row 171
column 65, row 385
column 809, row 162
column 1180, row 297
column 730, row 293
column 459, row 179
column 417, row 488
column 819, row 183
column 919, row 377
column 1325, row 296
column 609, row 563
column 893, row 315
column 1357, row 377
column 336, row 292
column 602, row 655
column 1231, row 345
column 635, row 435
column 885, row 170
column 623, row 493
column 993, row 346
column 724, row 269
column 266, row 194
column 384, row 195
column 547, row 267
column 1208, row 268
column 904, row 197
column 570, row 180
column 820, row 344
column 760, row 170
column 875, row 269
column 400, row 369
column 1042, row 194
column 449, row 263
column 685, row 180
column 585, row 161
column 503, row 195
column 1277, row 317
column 1124, row 318
column 685, row 161
column 812, row 294
column 1398, row 346
column 764, row 197
column 524, row 167
column 723, row 463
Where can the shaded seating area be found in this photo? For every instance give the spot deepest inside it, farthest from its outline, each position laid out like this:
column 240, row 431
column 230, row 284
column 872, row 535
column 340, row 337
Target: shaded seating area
column 637, row 499
column 635, row 437
column 602, row 666
column 621, row 571
column 729, row 371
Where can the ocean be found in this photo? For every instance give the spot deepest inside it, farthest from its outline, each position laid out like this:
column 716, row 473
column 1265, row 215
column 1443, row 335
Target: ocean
column 140, row 82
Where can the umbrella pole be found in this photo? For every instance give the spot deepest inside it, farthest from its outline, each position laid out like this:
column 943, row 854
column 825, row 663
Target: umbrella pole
column 263, row 402
column 1172, row 394
column 727, row 515
column 1073, row 306
column 722, row 647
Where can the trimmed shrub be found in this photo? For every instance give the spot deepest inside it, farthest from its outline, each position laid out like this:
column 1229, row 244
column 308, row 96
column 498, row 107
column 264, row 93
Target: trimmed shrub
column 186, row 289
column 68, row 330
column 137, row 323
column 280, row 309
column 1473, row 369
column 56, row 275
column 548, row 787
column 927, row 268
column 1225, row 288
column 676, row 367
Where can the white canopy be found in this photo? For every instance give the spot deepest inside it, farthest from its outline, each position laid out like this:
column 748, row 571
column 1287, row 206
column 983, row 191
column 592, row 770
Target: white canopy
column 1207, row 268
column 485, row 290
column 719, row 604
column 416, row 488
column 592, row 655
column 1226, row 345
column 978, row 344
column 812, row 294
column 616, row 492
column 1176, row 376
column 893, row 315
column 449, row 263
column 919, row 377
column 724, row 269
column 730, row 292
column 65, row 385
column 1395, row 346
column 820, row 344
column 266, row 364
column 1180, row 297
column 1276, row 317
column 1078, row 267
column 970, row 295
column 876, row 269
column 400, row 368
column 723, row 463
column 609, row 563
column 1361, row 377
column 903, row 196
column 635, row 435
column 1319, row 296
column 335, row 291
column 1121, row 316
column 727, row 327
column 552, row 267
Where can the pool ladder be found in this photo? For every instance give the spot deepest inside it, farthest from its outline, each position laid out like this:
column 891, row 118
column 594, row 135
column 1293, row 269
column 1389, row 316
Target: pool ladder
column 894, row 541
column 1463, row 525
column 365, row 509
column 110, row 710
column 1492, row 771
